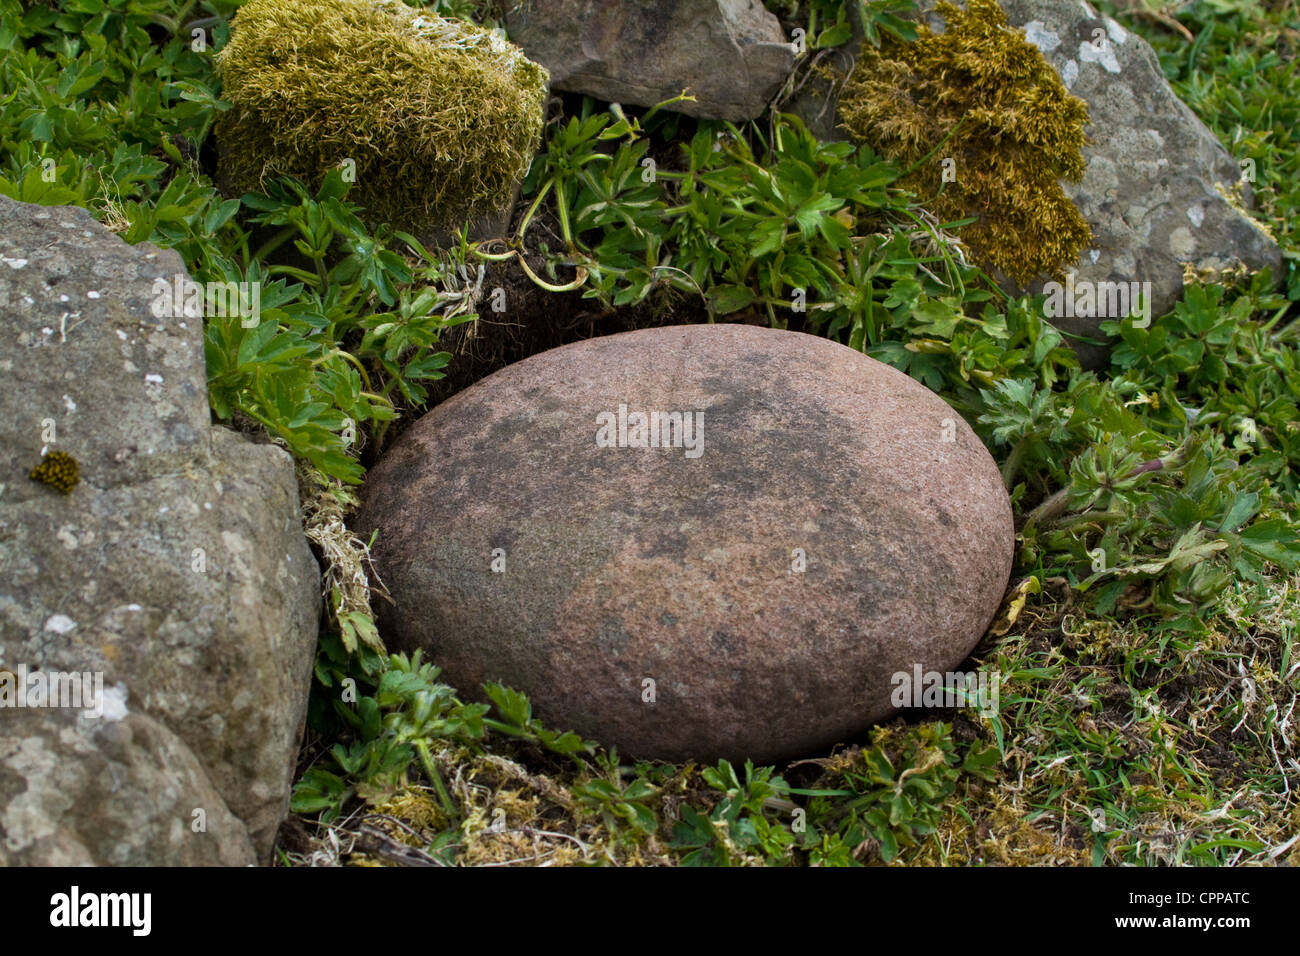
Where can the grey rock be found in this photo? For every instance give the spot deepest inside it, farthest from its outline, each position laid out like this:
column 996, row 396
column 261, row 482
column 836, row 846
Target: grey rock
column 84, row 791
column 177, row 567
column 730, row 54
column 1154, row 189
column 627, row 564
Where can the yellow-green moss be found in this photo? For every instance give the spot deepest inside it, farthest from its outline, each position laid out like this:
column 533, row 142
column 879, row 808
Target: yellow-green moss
column 59, row 470
column 1013, row 131
column 440, row 117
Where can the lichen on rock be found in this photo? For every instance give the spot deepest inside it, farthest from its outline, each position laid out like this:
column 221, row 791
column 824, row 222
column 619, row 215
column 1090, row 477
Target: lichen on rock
column 59, row 470
column 982, row 97
column 440, row 117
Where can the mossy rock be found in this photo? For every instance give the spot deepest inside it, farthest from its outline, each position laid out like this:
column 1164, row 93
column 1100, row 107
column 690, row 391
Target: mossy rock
column 441, row 118
column 979, row 101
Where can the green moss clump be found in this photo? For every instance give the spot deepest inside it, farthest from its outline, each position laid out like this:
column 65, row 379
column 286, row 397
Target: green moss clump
column 59, row 470
column 441, row 118
column 1011, row 126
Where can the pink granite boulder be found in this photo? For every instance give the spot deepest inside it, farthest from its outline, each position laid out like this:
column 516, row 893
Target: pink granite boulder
column 693, row 542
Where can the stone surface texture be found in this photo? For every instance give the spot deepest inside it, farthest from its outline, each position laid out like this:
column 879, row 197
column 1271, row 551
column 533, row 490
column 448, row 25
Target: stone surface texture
column 730, row 54
column 628, row 564
column 177, row 569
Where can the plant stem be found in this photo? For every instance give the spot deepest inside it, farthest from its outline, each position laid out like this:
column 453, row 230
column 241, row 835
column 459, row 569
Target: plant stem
column 506, row 729
column 275, row 242
column 936, row 149
column 532, row 210
column 1054, row 506
column 307, row 277
column 431, row 771
column 1012, row 464
column 577, row 282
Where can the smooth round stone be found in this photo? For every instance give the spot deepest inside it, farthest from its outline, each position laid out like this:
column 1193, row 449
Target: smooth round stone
column 746, row 584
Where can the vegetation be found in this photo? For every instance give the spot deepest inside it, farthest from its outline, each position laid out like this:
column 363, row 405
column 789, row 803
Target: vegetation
column 1148, row 649
column 979, row 98
column 437, row 118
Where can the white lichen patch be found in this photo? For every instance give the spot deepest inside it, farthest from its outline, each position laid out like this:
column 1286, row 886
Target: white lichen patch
column 1105, row 56
column 69, row 403
column 92, row 294
column 452, row 33
column 33, row 813
column 13, row 263
column 113, row 702
column 1116, row 32
column 60, row 624
column 1182, row 244
column 1036, row 32
column 1197, row 215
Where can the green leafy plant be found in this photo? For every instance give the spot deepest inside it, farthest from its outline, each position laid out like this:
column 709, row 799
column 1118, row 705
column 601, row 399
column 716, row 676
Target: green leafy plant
column 736, row 831
column 892, row 792
column 517, row 720
column 321, row 363
column 620, row 804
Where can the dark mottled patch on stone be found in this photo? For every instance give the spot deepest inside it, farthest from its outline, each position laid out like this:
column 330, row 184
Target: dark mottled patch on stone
column 611, row 637
column 945, row 517
column 662, row 543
